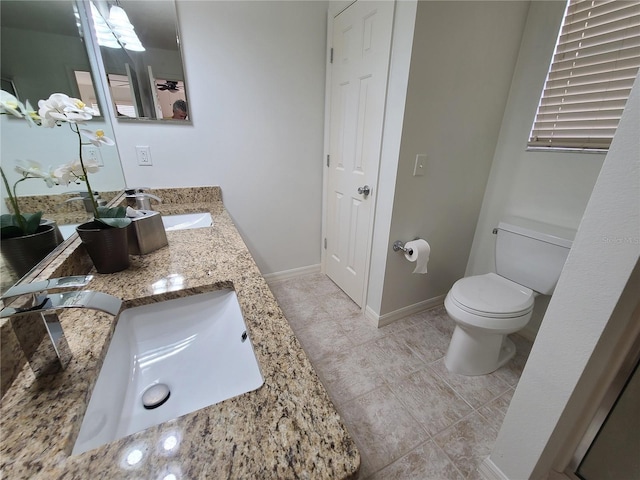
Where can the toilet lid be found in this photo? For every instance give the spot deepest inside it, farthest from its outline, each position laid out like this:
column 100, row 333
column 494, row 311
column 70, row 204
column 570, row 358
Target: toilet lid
column 492, row 294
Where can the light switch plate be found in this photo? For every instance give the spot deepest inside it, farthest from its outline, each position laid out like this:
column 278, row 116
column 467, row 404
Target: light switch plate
column 420, row 166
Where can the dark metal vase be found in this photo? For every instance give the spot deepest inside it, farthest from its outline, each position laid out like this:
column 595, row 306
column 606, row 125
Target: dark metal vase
column 108, row 247
column 24, row 253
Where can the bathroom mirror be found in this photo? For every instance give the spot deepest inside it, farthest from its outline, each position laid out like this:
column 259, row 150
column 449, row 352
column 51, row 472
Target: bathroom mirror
column 140, row 49
column 43, row 52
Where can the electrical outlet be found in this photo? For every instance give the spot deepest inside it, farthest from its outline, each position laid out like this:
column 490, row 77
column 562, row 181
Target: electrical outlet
column 420, row 166
column 92, row 153
column 144, row 155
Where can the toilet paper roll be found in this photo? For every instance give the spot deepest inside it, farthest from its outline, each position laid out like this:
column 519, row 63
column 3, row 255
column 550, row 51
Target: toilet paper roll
column 420, row 251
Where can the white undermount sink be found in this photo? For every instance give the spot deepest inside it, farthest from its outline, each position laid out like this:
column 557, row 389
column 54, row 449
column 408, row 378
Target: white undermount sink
column 195, row 348
column 186, row 221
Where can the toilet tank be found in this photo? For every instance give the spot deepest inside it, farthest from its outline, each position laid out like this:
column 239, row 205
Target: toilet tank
column 532, row 253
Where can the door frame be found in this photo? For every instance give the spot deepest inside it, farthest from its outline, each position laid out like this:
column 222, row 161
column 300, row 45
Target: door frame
column 335, row 8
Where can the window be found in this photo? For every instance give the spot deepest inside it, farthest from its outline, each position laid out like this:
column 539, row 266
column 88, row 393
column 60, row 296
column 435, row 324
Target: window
column 593, row 69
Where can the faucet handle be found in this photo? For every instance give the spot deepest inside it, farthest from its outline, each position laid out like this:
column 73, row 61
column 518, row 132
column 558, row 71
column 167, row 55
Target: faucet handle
column 134, row 190
column 49, row 284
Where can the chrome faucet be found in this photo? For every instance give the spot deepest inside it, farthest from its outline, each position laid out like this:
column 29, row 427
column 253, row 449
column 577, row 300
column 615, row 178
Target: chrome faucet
column 46, row 349
column 139, row 199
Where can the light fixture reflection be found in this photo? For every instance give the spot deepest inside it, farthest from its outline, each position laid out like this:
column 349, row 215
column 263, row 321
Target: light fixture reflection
column 164, row 352
column 170, row 283
column 104, row 34
column 116, row 31
column 119, row 18
column 170, row 443
column 134, row 457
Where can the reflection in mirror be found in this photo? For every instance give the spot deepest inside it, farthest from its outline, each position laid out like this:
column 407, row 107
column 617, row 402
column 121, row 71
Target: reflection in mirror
column 43, row 52
column 141, row 55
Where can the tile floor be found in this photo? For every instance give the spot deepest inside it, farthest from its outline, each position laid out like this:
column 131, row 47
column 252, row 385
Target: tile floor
column 409, row 416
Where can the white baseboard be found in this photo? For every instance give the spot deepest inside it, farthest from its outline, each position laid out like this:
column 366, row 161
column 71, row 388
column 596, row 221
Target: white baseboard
column 387, row 318
column 293, row 273
column 489, row 471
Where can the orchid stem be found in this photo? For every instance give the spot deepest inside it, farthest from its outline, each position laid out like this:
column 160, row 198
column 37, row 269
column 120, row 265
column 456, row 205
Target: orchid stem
column 14, row 202
column 84, row 172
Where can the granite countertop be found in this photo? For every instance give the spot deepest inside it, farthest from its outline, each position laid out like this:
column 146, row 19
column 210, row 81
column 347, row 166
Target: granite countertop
column 288, row 428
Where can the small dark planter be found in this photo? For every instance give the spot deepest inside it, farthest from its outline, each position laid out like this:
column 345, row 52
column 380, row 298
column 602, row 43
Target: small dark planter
column 24, row 253
column 107, row 246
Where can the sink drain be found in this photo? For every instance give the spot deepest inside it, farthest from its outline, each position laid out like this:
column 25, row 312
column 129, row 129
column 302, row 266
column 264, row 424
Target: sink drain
column 155, row 395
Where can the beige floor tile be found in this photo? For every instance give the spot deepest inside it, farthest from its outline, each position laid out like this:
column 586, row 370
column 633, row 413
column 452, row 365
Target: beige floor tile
column 393, row 358
column 319, row 284
column 381, row 427
column 348, row 374
column 305, row 314
column 476, row 390
column 430, row 400
column 426, row 462
column 439, row 319
column 495, row 411
column 425, row 341
column 289, row 290
column 468, row 442
column 339, row 305
column 359, row 329
column 323, row 338
column 391, row 387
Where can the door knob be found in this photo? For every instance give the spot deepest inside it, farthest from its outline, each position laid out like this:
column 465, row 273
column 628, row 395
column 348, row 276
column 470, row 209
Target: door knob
column 364, row 190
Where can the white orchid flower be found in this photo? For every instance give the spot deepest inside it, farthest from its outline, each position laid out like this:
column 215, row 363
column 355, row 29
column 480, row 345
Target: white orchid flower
column 98, row 138
column 69, row 172
column 62, row 108
column 10, row 104
column 32, row 169
column 30, row 115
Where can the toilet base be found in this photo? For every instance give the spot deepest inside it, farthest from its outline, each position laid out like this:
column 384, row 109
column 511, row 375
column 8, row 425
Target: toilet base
column 477, row 353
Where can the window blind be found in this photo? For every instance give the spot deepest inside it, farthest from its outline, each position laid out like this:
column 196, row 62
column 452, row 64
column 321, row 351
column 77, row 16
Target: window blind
column 593, row 69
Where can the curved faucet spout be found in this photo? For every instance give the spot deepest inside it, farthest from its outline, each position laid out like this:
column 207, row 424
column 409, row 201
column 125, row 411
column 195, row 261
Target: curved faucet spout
column 45, row 303
column 33, row 316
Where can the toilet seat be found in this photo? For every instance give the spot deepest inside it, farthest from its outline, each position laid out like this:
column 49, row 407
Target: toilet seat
column 492, row 296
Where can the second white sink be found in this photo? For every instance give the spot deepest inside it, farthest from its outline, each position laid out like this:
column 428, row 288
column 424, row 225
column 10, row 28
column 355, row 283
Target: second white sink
column 187, row 221
column 194, row 350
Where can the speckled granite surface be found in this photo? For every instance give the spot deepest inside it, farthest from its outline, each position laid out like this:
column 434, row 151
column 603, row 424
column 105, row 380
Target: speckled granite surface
column 288, row 428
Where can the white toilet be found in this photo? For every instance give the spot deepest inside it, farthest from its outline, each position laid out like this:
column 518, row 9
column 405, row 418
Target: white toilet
column 486, row 308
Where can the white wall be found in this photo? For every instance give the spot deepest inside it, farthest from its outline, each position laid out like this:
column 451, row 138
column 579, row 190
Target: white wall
column 462, row 62
column 255, row 74
column 589, row 323
column 549, row 187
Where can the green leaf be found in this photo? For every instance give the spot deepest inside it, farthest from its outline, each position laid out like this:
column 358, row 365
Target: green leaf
column 113, row 212
column 6, row 220
column 12, row 227
column 33, row 222
column 115, row 222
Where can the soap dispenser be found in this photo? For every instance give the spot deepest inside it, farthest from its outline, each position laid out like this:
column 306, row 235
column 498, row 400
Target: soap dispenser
column 139, row 199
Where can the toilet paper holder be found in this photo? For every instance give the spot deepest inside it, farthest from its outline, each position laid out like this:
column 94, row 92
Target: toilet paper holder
column 398, row 245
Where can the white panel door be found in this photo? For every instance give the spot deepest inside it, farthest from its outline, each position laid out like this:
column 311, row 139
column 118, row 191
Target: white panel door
column 361, row 46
